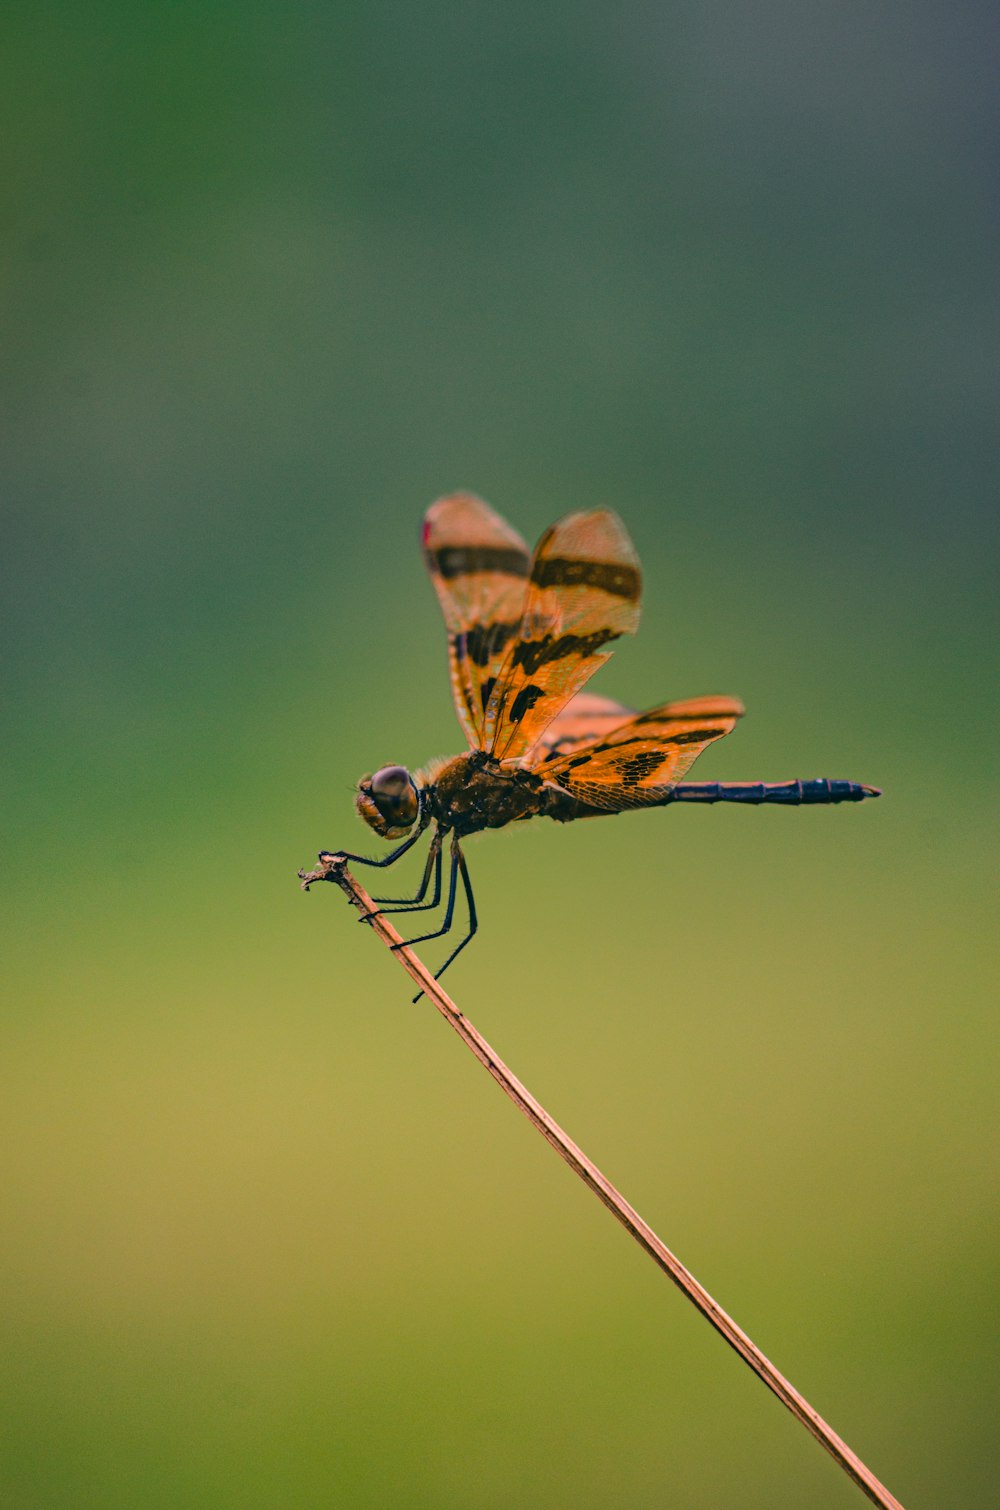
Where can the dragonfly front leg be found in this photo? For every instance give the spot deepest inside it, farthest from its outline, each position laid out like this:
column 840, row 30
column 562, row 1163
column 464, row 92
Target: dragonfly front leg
column 389, row 859
column 332, row 862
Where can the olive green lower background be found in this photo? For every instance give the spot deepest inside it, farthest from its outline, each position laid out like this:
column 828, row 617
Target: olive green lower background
column 276, row 277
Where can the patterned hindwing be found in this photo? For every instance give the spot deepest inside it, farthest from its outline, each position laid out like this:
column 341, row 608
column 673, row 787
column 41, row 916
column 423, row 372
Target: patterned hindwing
column 479, row 567
column 586, row 719
column 636, row 764
column 584, row 592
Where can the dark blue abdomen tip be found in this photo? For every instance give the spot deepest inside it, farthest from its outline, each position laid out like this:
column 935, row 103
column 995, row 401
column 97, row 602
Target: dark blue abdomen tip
column 836, row 791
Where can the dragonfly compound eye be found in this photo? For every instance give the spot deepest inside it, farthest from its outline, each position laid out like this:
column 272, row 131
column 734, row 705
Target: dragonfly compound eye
column 388, row 801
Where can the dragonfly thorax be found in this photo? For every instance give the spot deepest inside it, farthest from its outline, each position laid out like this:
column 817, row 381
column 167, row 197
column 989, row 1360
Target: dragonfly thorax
column 475, row 791
column 389, row 801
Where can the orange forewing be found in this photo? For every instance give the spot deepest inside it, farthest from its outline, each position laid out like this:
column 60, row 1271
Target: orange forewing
column 583, row 592
column 479, row 566
column 638, row 762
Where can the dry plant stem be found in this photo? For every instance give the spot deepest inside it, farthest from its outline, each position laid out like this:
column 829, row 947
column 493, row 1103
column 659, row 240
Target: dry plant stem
column 334, row 869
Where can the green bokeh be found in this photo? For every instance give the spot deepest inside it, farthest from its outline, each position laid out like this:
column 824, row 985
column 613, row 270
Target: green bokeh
column 276, row 277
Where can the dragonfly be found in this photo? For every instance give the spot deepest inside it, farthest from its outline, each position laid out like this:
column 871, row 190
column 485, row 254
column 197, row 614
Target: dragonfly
column 526, row 632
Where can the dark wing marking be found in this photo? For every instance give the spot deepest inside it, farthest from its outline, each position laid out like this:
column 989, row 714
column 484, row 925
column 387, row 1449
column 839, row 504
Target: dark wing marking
column 479, row 566
column 636, row 764
column 583, row 593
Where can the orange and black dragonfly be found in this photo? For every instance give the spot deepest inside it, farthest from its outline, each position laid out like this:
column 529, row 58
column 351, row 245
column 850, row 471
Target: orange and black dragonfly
column 525, row 633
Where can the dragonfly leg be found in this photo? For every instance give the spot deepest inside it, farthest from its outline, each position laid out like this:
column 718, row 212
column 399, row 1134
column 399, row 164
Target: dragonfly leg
column 449, row 912
column 417, row 903
column 473, row 919
column 389, row 859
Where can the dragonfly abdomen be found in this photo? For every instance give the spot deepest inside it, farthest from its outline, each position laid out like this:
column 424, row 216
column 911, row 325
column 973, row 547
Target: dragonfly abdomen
column 794, row 793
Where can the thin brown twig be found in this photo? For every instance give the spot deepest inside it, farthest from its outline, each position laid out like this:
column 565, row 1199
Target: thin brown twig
column 334, row 868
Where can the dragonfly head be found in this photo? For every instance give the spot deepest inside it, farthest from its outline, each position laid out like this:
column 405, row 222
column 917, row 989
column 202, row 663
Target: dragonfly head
column 389, row 801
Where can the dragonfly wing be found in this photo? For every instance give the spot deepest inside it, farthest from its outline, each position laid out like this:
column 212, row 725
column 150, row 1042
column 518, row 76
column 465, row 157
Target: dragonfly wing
column 636, row 764
column 585, row 720
column 583, row 593
column 479, row 566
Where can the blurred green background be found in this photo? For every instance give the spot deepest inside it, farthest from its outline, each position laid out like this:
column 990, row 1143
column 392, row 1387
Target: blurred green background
column 276, row 277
